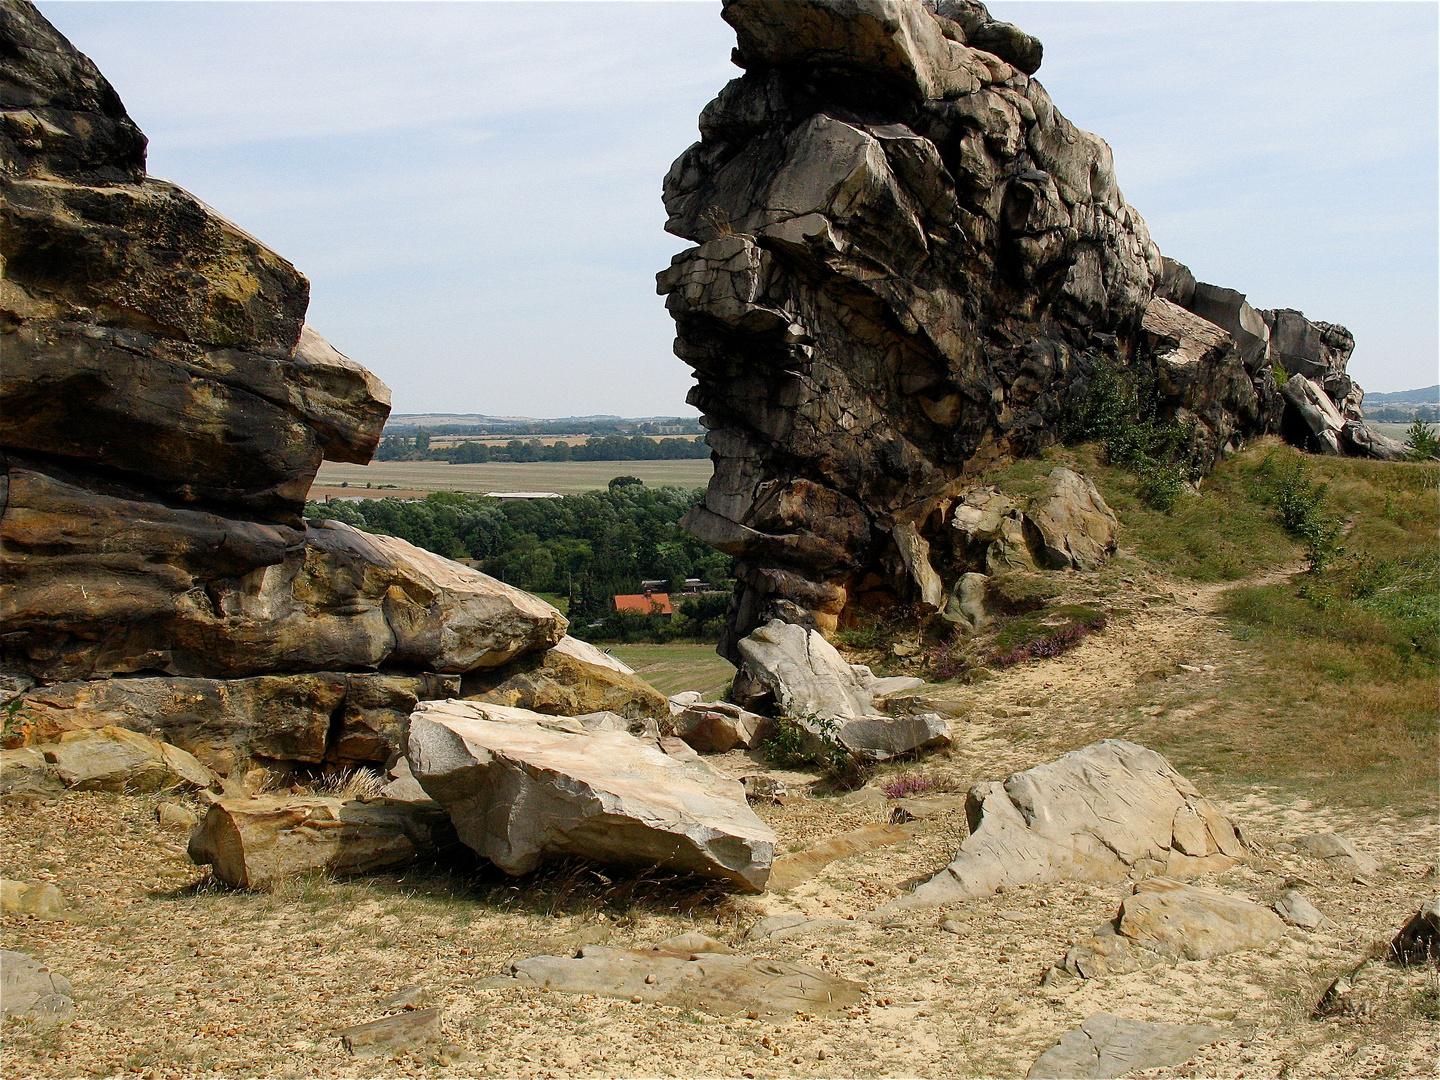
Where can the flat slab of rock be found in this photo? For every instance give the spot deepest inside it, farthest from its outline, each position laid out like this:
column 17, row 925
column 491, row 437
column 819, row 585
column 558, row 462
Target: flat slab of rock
column 31, row 990
column 720, row 983
column 1182, row 922
column 790, row 870
column 522, row 787
column 1107, row 1046
column 1339, row 854
column 256, row 843
column 393, row 1034
column 1109, row 811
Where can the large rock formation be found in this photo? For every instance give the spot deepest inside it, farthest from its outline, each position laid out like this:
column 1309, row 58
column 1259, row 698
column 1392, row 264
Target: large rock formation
column 909, row 265
column 165, row 411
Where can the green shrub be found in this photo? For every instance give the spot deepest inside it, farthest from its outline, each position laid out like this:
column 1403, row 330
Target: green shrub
column 1422, row 442
column 1302, row 508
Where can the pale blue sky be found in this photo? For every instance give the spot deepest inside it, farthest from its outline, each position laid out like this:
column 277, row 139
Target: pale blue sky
column 473, row 189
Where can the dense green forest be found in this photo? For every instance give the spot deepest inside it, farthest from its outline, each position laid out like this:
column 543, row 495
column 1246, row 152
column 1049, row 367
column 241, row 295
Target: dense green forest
column 606, row 448
column 583, row 548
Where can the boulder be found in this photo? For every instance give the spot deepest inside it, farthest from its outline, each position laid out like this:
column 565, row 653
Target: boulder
column 114, row 759
column 176, row 815
column 1419, row 939
column 1318, row 413
column 881, row 738
column 1075, row 527
column 799, row 674
column 25, row 774
column 1187, row 923
column 570, row 678
column 1338, row 853
column 522, row 787
column 1111, row 810
column 718, row 726
column 261, row 841
column 31, row 898
column 720, row 982
column 31, row 991
column 1107, row 1046
column 965, row 606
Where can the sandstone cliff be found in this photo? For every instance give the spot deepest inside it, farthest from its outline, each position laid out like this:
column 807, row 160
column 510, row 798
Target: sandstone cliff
column 165, row 411
column 908, row 265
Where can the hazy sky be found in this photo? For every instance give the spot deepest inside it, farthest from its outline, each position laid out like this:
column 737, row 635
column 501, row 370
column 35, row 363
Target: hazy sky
column 473, row 189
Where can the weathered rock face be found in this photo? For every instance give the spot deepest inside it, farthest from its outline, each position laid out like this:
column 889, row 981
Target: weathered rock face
column 165, row 408
column 908, row 265
column 1109, row 811
column 571, row 679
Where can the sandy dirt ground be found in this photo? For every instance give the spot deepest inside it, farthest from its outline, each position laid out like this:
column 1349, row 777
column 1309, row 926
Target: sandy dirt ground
column 175, row 977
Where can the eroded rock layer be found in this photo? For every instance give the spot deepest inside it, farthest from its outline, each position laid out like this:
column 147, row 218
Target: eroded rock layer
column 165, row 411
column 908, row 264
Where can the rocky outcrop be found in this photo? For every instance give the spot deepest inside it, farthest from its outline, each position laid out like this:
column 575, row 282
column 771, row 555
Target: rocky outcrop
column 1110, row 811
column 907, row 265
column 710, row 977
column 522, row 787
column 166, row 408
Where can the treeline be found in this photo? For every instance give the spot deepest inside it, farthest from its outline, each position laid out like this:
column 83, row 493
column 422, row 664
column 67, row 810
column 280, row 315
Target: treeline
column 667, row 425
column 585, row 548
column 606, row 448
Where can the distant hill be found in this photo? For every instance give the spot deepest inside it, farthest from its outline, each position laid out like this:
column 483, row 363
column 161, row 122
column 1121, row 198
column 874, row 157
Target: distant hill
column 1430, row 395
column 432, row 420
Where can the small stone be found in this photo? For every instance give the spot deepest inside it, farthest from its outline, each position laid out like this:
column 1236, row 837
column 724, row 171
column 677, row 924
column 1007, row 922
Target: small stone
column 950, row 926
column 1297, row 911
column 411, row 997
column 176, row 814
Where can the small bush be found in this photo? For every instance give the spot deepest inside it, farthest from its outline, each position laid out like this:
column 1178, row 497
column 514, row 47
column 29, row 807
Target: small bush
column 908, row 784
column 1422, row 442
column 813, row 740
column 1301, row 508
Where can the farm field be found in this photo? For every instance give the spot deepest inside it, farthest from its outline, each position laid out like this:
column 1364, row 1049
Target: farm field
column 673, row 668
column 413, row 479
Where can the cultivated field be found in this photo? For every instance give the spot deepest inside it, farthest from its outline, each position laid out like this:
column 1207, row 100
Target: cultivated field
column 673, row 668
column 412, row 478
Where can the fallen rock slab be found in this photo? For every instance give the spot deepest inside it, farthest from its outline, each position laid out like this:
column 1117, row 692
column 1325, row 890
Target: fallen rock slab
column 1183, row 922
column 795, row 672
column 393, row 1033
column 30, row 990
column 1075, row 527
column 881, row 738
column 256, row 843
column 114, row 759
column 522, row 787
column 720, row 983
column 1111, row 810
column 1419, row 939
column 1107, row 1046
